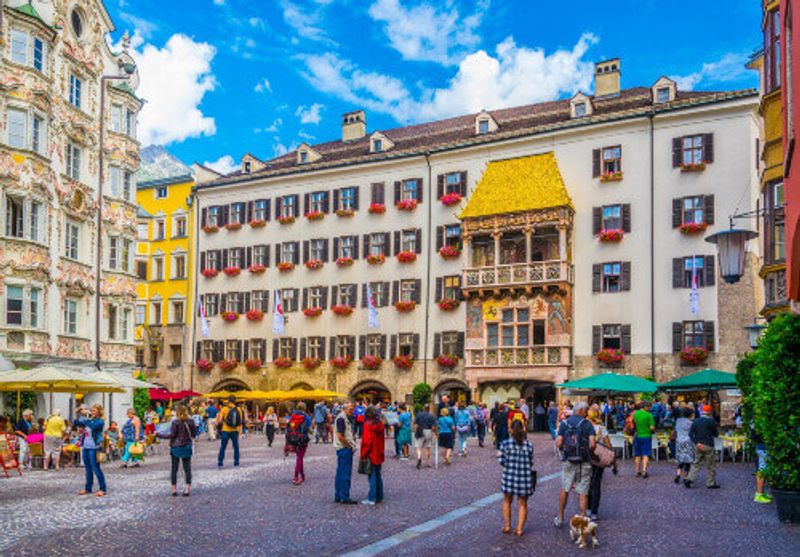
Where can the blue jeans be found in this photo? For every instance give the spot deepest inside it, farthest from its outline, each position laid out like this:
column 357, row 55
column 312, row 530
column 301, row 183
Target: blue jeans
column 462, row 441
column 233, row 437
column 375, row 484
column 344, row 473
column 552, row 427
column 92, row 468
column 398, row 450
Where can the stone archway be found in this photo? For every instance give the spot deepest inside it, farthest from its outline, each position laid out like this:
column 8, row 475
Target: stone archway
column 371, row 390
column 231, row 384
column 302, row 385
column 455, row 389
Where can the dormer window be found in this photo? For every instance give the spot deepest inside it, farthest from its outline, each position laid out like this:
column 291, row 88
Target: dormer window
column 663, row 91
column 662, row 95
column 377, row 145
column 580, row 106
column 483, row 126
column 247, row 167
column 303, row 156
column 580, row 109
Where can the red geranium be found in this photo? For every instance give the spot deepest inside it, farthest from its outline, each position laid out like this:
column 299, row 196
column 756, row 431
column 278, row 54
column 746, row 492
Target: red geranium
column 403, row 362
column 257, row 268
column 693, row 167
column 371, row 362
column 694, row 355
column 450, row 199
column 376, row 259
column 345, row 212
column 448, row 304
column 311, row 363
column 282, row 362
column 258, row 223
column 228, row 365
column 286, row 220
column 406, row 205
column 204, row 365
column 232, row 271
column 342, row 310
column 314, row 264
column 312, row 312
column 253, row 364
column 315, row 215
column 406, row 257
column 693, row 228
column 447, row 361
column 611, row 356
column 449, row 252
column 611, row 235
column 229, row 316
column 344, row 261
column 405, row 306
column 285, row 266
column 377, row 208
column 210, row 228
column 341, row 362
column 611, row 176
column 209, row 273
column 233, row 225
column 254, row 315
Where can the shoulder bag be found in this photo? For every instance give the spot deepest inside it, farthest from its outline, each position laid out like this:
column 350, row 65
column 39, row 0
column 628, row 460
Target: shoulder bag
column 365, row 466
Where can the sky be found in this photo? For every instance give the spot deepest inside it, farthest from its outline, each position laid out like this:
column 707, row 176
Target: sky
column 227, row 77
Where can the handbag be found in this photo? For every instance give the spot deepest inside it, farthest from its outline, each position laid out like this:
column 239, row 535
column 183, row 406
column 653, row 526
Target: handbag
column 365, row 466
column 534, row 479
column 136, row 449
column 101, row 457
column 603, row 456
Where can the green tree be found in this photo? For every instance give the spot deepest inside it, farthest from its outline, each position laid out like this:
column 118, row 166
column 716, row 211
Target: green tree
column 421, row 393
column 27, row 399
column 141, row 401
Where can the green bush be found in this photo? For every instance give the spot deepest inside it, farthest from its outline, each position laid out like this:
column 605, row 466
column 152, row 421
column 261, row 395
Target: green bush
column 27, row 399
column 141, row 401
column 744, row 379
column 773, row 396
column 421, row 393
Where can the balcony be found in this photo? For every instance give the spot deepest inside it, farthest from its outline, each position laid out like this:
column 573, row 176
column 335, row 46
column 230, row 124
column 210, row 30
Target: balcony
column 775, row 292
column 519, row 356
column 518, row 274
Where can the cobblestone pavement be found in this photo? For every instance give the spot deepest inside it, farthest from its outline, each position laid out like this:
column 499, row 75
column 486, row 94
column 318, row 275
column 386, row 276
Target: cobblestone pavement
column 255, row 510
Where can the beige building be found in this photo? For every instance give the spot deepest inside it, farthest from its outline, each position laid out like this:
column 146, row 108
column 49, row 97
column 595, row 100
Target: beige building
column 562, row 237
column 62, row 304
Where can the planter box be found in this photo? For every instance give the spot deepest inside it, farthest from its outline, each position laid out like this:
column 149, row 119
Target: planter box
column 787, row 503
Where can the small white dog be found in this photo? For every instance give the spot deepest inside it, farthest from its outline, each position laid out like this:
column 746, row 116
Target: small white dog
column 581, row 529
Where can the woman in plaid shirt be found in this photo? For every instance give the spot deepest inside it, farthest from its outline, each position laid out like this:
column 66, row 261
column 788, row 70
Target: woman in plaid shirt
column 516, row 458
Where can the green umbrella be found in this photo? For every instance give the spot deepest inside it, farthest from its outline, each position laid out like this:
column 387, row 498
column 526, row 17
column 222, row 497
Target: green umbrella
column 609, row 382
column 703, row 380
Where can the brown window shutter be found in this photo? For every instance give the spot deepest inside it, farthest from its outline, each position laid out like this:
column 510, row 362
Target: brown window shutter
column 418, row 240
column 708, row 331
column 597, row 332
column 278, row 206
column 334, row 295
column 708, row 209
column 225, row 213
column 708, row 147
column 677, row 212
column 626, row 275
column 676, row 151
column 439, row 290
column 420, row 188
column 324, row 298
column 321, row 347
column 396, row 192
column 224, row 258
column 378, row 191
column 198, row 350
column 326, row 202
column 597, row 220
column 439, row 186
column 294, row 349
column 677, row 272
column 386, row 286
column 333, row 347
column 249, row 211
column 355, row 246
column 266, row 255
column 335, row 249
column 203, row 217
column 417, row 297
column 367, row 246
column 396, row 242
column 248, row 256
column 437, row 344
column 355, row 198
column 595, row 163
column 460, row 344
column 305, row 251
column 711, row 272
column 596, row 277
column 439, row 237
column 415, row 346
column 626, row 217
column 302, row 348
column 677, row 336
column 275, row 349
column 306, row 202
column 395, row 291
column 335, row 200
column 362, row 346
column 296, row 253
column 325, row 255
column 267, row 216
column 387, row 244
column 392, row 346
column 304, row 303
column 383, row 346
column 364, row 295
column 464, row 183
column 625, row 331
column 202, row 260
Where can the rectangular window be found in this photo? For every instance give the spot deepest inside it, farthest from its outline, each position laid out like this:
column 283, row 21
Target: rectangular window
column 452, row 287
column 39, row 54
column 260, row 255
column 378, row 193
column 162, row 192
column 232, row 302
column 343, row 347
column 347, row 198
column 35, row 220
column 260, row 209
column 156, row 313
column 75, row 90
column 38, row 143
column 116, row 118
column 772, row 50
column 236, row 257
column 158, row 268
column 407, row 288
column 285, row 348
column 288, row 251
column 175, row 355
column 450, row 342
column 694, row 334
column 317, row 248
column 483, row 126
column 127, row 185
column 314, row 347
column 208, row 350
column 612, row 217
column 379, row 293
column 179, row 266
column 213, row 216
column 347, row 295
column 612, row 277
column 409, row 190
column 113, row 253
column 130, row 123
column 256, row 349
column 179, row 227
column 693, row 266
column 35, row 306
column 177, row 311
column 113, row 322
column 580, row 109
column 377, row 145
column 406, row 344
column 346, row 246
column 231, row 349
column 72, row 236
column 141, row 312
column 692, row 149
column 315, row 297
column 17, row 128
column 125, row 325
column 452, row 183
column 289, row 206
column 142, row 232
column 161, row 229
column 662, row 94
column 237, row 213
column 377, row 244
column 693, row 210
column 211, row 307
column 71, row 316
column 611, row 159
column 115, row 180
column 374, row 345
column 612, row 337
column 73, row 161
column 141, row 270
column 127, row 254
column 212, row 259
column 318, row 201
column 408, row 241
column 452, row 235
column 538, row 332
column 14, row 303
column 289, row 299
column 492, row 330
column 19, row 47
column 15, row 217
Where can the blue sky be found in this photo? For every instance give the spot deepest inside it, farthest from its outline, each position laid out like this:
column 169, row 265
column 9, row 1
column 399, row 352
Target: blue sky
column 226, row 77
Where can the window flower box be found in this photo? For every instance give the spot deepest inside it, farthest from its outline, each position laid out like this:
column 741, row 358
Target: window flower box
column 376, row 209
column 209, row 273
column 406, row 257
column 257, row 268
column 692, row 228
column 233, row 226
column 611, row 176
column 403, row 362
column 283, row 362
column 342, row 310
column 254, row 315
column 376, row 259
column 344, row 262
column 450, row 199
column 694, row 355
column 258, row 223
column 311, row 363
column 610, row 356
column 315, row 215
column 407, row 205
column 345, row 213
column 404, row 306
column 210, row 228
column 613, row 235
column 286, row 220
column 228, row 365
column 252, row 364
column 448, row 304
column 371, row 362
column 285, row 266
column 449, row 252
column 314, row 264
column 693, row 167
column 232, row 271
column 229, row 316
column 447, row 361
column 312, row 312
column 341, row 362
column 204, row 365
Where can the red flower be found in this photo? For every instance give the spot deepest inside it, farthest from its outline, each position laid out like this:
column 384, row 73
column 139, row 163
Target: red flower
column 376, row 208
column 312, row 312
column 257, row 268
column 403, row 362
column 314, row 264
column 371, row 362
column 376, row 259
column 345, row 212
column 342, row 310
column 449, row 252
column 610, row 356
column 210, row 228
column 258, row 223
column 693, row 228
column 286, row 220
column 228, row 365
column 209, row 273
column 406, row 257
column 285, row 266
column 315, row 215
column 694, row 356
column 232, row 271
column 405, row 306
column 448, row 304
column 447, row 361
column 233, row 225
column 253, row 364
column 341, row 362
column 450, row 199
column 282, row 362
column 254, row 315
column 611, row 235
column 311, row 363
column 344, row 261
column 229, row 316
column 204, row 365
column 406, row 205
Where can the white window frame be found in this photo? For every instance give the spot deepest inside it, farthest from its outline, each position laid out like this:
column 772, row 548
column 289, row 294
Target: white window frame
column 317, row 201
column 17, row 130
column 71, row 317
column 75, row 91
column 260, row 209
column 72, row 240
column 346, row 246
column 408, row 240
column 377, row 244
column 260, row 254
column 179, row 266
column 158, row 268
column 74, row 156
column 316, row 248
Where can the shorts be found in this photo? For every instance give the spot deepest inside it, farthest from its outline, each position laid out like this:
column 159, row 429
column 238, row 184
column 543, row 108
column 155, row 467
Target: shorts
column 446, row 440
column 426, row 441
column 577, row 475
column 642, row 446
column 762, row 459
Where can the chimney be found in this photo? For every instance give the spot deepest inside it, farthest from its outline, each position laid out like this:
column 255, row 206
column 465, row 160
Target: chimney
column 606, row 78
column 354, row 125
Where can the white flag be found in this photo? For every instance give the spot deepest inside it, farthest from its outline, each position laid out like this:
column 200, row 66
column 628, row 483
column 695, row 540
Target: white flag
column 278, row 320
column 694, row 294
column 204, row 326
column 373, row 320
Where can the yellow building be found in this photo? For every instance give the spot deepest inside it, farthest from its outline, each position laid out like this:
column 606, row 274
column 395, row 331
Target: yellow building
column 164, row 304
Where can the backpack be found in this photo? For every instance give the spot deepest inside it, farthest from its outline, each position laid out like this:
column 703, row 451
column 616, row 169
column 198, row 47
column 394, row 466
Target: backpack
column 296, row 431
column 233, row 418
column 576, row 446
column 518, row 417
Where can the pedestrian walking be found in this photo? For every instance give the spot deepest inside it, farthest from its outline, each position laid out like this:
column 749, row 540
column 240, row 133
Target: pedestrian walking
column 131, row 434
column 345, row 444
column 150, row 419
column 22, row 430
column 552, row 419
column 91, row 441
column 763, row 456
column 500, row 426
column 702, row 434
column 684, row 448
column 297, row 439
column 516, row 459
column 372, row 449
column 481, row 414
column 230, row 419
column 644, row 426
column 181, row 447
column 53, row 439
column 447, row 427
column 596, row 480
column 576, row 441
column 358, row 412
column 392, row 418
column 211, row 420
column 404, row 431
column 270, row 425
column 320, row 419
column 424, row 428
column 463, row 427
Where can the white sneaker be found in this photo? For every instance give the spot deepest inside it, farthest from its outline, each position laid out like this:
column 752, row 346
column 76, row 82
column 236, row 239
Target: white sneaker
column 368, row 502
column 557, row 522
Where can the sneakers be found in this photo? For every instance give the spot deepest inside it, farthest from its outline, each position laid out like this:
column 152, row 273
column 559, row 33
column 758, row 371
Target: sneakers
column 368, row 502
column 762, row 498
column 593, row 516
column 557, row 522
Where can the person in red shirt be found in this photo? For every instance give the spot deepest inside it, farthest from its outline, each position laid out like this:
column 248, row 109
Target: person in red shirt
column 372, row 447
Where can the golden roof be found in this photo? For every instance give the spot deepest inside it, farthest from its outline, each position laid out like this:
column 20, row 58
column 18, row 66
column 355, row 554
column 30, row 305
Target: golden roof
column 518, row 185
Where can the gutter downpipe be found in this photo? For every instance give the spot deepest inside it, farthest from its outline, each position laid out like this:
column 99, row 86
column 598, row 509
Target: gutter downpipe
column 651, row 118
column 428, row 271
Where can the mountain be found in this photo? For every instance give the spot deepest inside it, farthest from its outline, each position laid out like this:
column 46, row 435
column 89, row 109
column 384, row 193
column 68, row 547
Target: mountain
column 157, row 162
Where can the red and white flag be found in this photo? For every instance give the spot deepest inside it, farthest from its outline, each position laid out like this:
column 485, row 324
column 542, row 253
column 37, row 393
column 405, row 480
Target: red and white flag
column 373, row 321
column 205, row 329
column 278, row 319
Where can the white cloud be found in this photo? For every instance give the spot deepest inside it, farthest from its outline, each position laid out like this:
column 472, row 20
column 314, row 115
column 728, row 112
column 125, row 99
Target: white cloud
column 143, row 27
column 219, row 2
column 429, row 33
column 224, row 165
column 279, row 149
column 256, row 22
column 302, row 134
column 730, row 67
column 174, row 80
column 309, row 115
column 263, row 86
column 513, row 76
column 274, row 127
column 305, row 20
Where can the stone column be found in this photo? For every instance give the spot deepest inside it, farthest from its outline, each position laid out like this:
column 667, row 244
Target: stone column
column 497, row 235
column 528, row 240
column 562, row 243
column 466, row 248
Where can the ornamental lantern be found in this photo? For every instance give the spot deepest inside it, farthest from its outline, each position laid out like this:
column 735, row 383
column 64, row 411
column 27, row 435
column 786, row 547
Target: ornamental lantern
column 730, row 247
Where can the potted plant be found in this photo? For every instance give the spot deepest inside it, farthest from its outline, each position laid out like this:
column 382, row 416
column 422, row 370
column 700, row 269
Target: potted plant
column 610, row 356
column 403, row 362
column 407, row 257
column 691, row 228
column 252, row 364
column 229, row 316
column 447, row 361
column 258, row 223
column 345, row 213
column 404, row 306
column 693, row 167
column 371, row 362
column 233, row 226
column 611, row 176
column 209, row 273
column 311, row 363
column 314, row 264
column 407, row 205
column 254, row 315
column 450, row 199
column 448, row 304
column 204, row 365
column 289, row 219
column 210, row 228
column 342, row 310
column 257, row 268
column 315, row 215
column 232, row 271
column 282, row 362
column 449, row 252
column 694, row 355
column 228, row 365
column 285, row 266
column 612, row 235
column 344, row 261
column 312, row 312
column 376, row 208
column 341, row 362
column 376, row 259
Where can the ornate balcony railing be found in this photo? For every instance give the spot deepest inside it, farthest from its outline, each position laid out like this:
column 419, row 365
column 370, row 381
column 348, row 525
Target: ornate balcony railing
column 540, row 272
column 518, row 356
column 775, row 292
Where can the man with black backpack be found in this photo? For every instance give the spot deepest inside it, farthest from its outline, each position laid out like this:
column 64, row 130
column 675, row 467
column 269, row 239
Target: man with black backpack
column 231, row 418
column 576, row 441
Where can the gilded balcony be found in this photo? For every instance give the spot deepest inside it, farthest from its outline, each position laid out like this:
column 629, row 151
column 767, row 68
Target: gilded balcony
column 519, row 356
